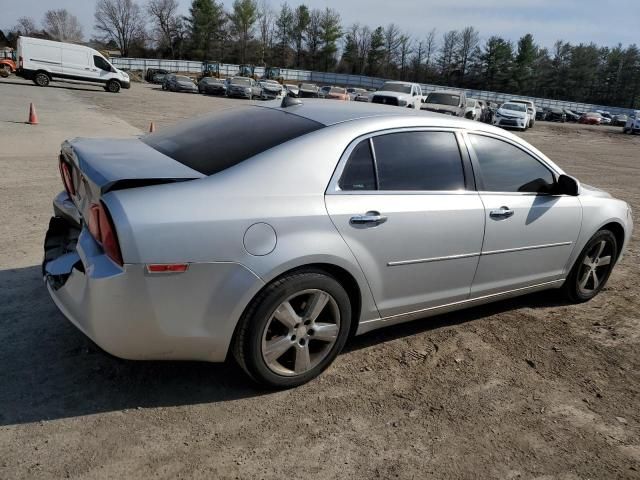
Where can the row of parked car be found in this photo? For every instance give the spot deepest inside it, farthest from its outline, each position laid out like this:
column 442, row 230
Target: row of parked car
column 516, row 113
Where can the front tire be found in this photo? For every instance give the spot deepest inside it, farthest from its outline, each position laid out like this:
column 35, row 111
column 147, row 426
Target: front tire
column 41, row 79
column 593, row 267
column 113, row 86
column 293, row 329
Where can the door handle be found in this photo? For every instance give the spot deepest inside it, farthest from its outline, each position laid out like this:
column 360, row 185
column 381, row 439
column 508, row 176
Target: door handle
column 502, row 212
column 371, row 218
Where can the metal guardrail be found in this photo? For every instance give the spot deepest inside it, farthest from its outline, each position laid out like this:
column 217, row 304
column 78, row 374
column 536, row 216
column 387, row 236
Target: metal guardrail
column 226, row 69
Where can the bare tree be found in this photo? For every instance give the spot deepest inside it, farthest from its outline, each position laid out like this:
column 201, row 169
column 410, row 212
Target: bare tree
column 265, row 25
column 120, row 21
column 314, row 33
column 391, row 44
column 448, row 53
column 430, row 47
column 62, row 26
column 165, row 22
column 25, row 26
column 468, row 41
column 404, row 50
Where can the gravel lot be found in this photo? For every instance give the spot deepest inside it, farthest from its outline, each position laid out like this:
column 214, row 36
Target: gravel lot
column 526, row 388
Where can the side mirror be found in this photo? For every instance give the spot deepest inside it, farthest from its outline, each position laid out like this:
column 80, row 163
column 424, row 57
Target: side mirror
column 567, row 185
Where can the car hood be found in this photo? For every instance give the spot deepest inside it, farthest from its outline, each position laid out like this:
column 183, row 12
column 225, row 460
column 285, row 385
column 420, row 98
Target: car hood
column 186, row 84
column 398, row 95
column 591, row 191
column 512, row 113
column 440, row 107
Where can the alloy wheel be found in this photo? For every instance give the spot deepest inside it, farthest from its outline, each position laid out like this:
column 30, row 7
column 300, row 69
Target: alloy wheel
column 301, row 332
column 595, row 267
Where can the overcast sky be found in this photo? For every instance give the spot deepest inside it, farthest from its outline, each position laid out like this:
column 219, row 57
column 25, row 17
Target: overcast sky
column 605, row 22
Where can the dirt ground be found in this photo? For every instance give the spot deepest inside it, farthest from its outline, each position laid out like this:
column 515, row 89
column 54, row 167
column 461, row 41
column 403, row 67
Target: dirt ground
column 526, row 388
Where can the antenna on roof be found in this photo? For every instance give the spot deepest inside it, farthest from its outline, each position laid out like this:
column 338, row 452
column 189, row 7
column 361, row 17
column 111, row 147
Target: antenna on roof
column 288, row 101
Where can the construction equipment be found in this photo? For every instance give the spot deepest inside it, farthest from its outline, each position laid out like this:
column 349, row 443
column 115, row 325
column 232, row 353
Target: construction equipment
column 247, row 71
column 273, row 73
column 209, row 69
column 7, row 62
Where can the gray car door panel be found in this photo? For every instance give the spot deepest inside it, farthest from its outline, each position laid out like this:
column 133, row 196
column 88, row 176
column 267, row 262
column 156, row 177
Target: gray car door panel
column 530, row 232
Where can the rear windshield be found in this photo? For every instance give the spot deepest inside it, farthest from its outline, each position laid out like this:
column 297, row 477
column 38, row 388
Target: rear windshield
column 218, row 141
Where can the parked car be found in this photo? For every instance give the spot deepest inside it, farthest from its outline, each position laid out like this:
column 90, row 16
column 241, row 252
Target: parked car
column 591, row 118
column 337, row 93
column 270, row 90
column 541, row 113
column 449, row 102
column 43, row 61
column 243, row 87
column 156, row 75
column 292, row 90
column 212, row 86
column 571, row 116
column 486, row 116
column 473, row 110
column 633, row 123
column 248, row 254
column 606, row 120
column 399, row 94
column 531, row 109
column 179, row 83
column 555, row 114
column 620, row 120
column 363, row 97
column 512, row 115
column 324, row 90
column 354, row 92
column 308, row 90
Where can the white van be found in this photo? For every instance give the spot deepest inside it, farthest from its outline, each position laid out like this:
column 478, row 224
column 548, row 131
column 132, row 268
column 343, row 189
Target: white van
column 44, row 60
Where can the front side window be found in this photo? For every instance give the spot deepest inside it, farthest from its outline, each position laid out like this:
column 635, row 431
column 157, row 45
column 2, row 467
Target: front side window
column 507, row 168
column 101, row 63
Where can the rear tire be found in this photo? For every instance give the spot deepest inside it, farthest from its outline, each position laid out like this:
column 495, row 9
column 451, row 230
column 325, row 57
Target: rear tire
column 278, row 340
column 41, row 79
column 593, row 267
column 113, row 86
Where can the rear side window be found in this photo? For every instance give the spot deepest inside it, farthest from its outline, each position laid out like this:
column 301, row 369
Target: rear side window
column 506, row 168
column 418, row 161
column 359, row 172
column 212, row 143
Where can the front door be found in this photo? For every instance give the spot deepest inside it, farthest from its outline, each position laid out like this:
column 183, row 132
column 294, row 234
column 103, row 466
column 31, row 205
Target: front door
column 400, row 202
column 530, row 232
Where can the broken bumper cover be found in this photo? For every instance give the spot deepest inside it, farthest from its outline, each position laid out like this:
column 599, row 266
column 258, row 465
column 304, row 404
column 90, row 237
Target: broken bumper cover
column 133, row 314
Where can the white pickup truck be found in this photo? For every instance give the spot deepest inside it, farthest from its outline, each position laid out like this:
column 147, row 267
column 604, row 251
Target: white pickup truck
column 399, row 94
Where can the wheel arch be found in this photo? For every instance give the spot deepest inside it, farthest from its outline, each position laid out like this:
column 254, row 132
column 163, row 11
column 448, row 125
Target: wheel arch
column 618, row 232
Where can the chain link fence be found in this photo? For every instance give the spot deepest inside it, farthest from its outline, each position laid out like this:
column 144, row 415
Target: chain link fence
column 347, row 80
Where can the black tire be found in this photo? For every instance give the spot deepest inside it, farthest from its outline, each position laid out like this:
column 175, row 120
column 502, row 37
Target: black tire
column 571, row 286
column 113, row 86
column 41, row 79
column 247, row 345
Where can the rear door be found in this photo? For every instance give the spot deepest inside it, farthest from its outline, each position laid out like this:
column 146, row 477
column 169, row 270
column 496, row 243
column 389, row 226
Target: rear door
column 530, row 233
column 404, row 204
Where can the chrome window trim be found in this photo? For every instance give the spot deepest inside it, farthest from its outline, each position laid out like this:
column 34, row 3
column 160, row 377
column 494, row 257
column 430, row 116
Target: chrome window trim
column 334, row 187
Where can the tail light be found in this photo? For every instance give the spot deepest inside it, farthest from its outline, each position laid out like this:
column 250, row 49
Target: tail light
column 101, row 227
column 67, row 181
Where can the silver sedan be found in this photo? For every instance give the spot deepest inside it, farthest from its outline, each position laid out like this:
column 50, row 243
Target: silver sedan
column 332, row 220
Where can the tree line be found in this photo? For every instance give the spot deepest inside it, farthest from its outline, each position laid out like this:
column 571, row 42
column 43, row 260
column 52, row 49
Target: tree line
column 254, row 32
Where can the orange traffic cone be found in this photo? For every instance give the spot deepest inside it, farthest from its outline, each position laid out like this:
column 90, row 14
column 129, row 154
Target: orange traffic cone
column 152, row 128
column 33, row 117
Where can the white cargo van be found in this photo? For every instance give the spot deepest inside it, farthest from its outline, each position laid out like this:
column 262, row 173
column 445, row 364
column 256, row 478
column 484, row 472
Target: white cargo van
column 44, row 60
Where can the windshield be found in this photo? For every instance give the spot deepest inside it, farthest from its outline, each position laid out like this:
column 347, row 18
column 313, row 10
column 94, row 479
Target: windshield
column 337, row 90
column 240, row 81
column 180, row 78
column 190, row 142
column 444, row 99
column 515, row 107
column 396, row 87
column 212, row 80
column 308, row 86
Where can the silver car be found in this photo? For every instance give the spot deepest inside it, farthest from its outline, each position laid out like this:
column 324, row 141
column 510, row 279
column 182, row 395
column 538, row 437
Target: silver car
column 200, row 241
